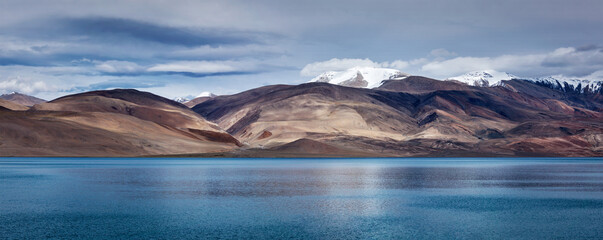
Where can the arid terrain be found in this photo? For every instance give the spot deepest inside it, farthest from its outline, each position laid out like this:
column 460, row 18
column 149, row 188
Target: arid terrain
column 109, row 123
column 412, row 117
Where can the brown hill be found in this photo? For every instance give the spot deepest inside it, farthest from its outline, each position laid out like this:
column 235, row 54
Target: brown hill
column 22, row 99
column 412, row 117
column 415, row 116
column 9, row 105
column 418, row 84
column 109, row 123
column 196, row 101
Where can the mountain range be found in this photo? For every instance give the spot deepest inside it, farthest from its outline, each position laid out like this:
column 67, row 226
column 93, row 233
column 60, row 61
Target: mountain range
column 369, row 77
column 360, row 112
column 22, row 99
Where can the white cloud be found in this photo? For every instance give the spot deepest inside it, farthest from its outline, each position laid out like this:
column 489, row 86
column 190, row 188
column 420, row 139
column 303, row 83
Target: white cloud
column 47, row 82
column 598, row 75
column 569, row 61
column 12, row 46
column 202, row 67
column 398, row 64
column 113, row 66
column 336, row 64
column 22, row 85
column 199, row 67
column 566, row 61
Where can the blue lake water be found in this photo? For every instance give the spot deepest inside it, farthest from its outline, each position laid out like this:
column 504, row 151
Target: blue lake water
column 163, row 198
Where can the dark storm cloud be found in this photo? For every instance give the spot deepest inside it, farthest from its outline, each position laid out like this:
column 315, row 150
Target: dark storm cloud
column 123, row 29
column 119, row 28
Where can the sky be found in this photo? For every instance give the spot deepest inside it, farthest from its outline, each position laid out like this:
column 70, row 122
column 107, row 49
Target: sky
column 182, row 48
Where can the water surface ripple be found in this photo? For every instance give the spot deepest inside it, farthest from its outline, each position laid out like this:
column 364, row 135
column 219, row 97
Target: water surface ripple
column 161, row 198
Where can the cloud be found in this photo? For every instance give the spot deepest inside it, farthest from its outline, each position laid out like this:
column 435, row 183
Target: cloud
column 187, row 68
column 128, row 39
column 227, row 51
column 598, row 75
column 567, row 61
column 26, row 86
column 119, row 28
column 200, row 67
column 118, row 83
column 121, row 67
column 336, row 64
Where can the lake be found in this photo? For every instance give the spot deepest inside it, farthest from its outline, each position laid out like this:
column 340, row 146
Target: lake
column 163, row 198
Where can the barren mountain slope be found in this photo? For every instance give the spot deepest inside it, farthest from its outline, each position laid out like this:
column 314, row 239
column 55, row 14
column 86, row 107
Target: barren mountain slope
column 417, row 117
column 22, row 99
column 110, row 123
column 9, row 105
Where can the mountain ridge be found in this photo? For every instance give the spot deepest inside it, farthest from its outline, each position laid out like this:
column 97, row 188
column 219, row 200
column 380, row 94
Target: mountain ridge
column 408, row 117
column 353, row 77
column 22, row 99
column 121, row 122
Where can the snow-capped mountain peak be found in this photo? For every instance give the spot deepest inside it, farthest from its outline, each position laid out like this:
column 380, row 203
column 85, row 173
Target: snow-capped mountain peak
column 191, row 97
column 569, row 84
column 360, row 77
column 490, row 78
column 181, row 99
column 486, row 78
column 206, row 94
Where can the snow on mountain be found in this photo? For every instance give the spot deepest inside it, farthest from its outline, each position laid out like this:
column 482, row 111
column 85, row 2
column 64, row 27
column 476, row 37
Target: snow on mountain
column 360, row 77
column 487, row 78
column 191, row 97
column 570, row 84
column 206, row 94
column 182, row 99
column 490, row 78
column 22, row 99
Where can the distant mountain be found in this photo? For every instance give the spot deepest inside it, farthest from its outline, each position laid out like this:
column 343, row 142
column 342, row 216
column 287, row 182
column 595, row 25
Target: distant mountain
column 22, row 99
column 574, row 85
column 10, row 105
column 360, row 77
column 118, row 122
column 491, row 78
column 487, row 78
column 414, row 116
column 408, row 116
column 204, row 96
column 182, row 99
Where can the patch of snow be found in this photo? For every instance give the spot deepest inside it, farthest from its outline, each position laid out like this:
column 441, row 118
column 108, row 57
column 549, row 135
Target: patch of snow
column 364, row 77
column 570, row 83
column 490, row 78
column 486, row 78
column 181, row 99
column 206, row 94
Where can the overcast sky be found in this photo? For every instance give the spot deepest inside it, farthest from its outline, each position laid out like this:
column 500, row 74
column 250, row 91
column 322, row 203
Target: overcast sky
column 180, row 48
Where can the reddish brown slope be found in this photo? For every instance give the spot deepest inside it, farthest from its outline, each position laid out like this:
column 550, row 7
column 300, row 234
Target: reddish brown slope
column 412, row 117
column 22, row 99
column 110, row 123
